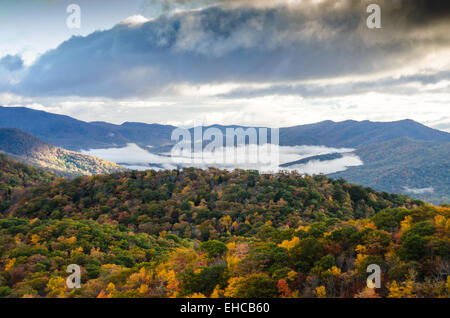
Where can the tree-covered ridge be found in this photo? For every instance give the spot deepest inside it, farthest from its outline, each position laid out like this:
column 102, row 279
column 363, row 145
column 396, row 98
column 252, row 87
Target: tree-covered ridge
column 322, row 259
column 15, row 176
column 213, row 233
column 26, row 148
column 204, row 204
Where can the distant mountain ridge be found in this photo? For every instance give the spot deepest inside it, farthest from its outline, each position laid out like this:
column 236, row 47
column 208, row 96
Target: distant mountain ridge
column 73, row 134
column 354, row 134
column 59, row 130
column 404, row 165
column 30, row 149
column 140, row 133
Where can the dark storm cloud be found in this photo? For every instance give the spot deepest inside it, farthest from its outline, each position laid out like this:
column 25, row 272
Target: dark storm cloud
column 11, row 62
column 420, row 12
column 409, row 12
column 238, row 42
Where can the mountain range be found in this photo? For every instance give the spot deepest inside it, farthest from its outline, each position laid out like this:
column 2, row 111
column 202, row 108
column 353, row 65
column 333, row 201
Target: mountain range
column 70, row 133
column 401, row 156
column 354, row 134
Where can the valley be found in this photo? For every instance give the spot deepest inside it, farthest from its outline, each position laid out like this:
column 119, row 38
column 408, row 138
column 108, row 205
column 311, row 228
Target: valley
column 402, row 156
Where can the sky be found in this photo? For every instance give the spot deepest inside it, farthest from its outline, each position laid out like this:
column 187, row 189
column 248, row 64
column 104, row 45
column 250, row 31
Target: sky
column 250, row 62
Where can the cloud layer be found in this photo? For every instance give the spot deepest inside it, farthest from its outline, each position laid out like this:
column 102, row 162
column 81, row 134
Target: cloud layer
column 267, row 158
column 243, row 42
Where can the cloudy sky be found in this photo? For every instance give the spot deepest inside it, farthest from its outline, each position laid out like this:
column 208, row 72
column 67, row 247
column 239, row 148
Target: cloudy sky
column 252, row 62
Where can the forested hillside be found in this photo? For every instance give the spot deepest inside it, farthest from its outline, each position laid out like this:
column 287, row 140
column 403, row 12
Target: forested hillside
column 166, row 200
column 15, row 176
column 403, row 164
column 212, row 233
column 29, row 149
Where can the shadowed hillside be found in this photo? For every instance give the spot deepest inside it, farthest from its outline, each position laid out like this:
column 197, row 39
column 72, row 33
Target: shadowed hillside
column 27, row 148
column 354, row 134
column 15, row 176
column 62, row 131
column 418, row 168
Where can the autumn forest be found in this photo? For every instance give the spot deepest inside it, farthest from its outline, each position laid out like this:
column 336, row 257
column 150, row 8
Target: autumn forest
column 213, row 233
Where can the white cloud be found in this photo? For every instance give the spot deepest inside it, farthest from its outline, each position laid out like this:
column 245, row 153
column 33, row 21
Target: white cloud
column 419, row 190
column 247, row 45
column 130, row 155
column 135, row 20
column 134, row 157
column 327, row 166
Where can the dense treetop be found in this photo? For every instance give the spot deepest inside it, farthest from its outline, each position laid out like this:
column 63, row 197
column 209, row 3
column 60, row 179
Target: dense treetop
column 15, row 176
column 213, row 233
column 196, row 203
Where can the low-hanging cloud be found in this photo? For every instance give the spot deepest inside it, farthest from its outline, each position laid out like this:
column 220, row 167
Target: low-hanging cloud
column 135, row 157
column 238, row 41
column 327, row 166
column 419, row 190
